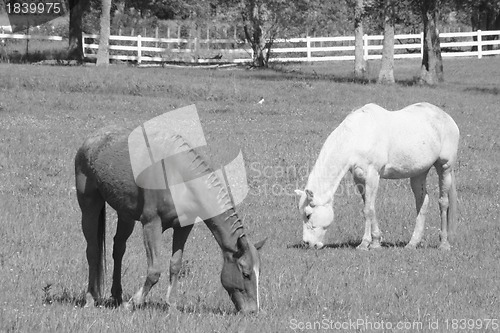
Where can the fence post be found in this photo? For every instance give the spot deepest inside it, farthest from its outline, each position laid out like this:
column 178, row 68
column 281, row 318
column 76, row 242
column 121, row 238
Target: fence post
column 179, row 38
column 421, row 45
column 168, row 37
column 479, row 45
column 156, row 36
column 308, row 46
column 83, row 45
column 365, row 47
column 139, row 51
column 208, row 37
column 195, row 49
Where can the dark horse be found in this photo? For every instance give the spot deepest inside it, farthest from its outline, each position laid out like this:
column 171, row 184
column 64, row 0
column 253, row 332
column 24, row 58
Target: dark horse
column 103, row 174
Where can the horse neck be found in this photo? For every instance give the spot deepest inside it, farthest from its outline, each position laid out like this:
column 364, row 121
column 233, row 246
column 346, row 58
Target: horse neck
column 332, row 164
column 226, row 228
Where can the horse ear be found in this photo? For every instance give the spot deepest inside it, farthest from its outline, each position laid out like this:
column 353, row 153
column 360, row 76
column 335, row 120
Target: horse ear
column 299, row 192
column 242, row 244
column 310, row 195
column 260, row 244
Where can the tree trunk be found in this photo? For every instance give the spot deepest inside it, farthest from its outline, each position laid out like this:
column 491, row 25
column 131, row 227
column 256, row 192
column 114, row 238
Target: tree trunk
column 359, row 60
column 432, row 64
column 253, row 32
column 103, row 52
column 386, row 74
column 76, row 11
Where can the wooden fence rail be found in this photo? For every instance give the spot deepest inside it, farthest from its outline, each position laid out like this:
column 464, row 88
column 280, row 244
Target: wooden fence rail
column 308, row 49
column 454, row 44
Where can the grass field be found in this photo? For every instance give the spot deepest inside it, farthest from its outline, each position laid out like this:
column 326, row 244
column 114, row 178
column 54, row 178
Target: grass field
column 46, row 112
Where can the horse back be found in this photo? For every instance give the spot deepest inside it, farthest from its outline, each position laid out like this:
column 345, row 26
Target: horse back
column 104, row 161
column 405, row 142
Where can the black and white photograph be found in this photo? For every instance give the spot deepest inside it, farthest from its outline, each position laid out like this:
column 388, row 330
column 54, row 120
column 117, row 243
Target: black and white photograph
column 249, row 166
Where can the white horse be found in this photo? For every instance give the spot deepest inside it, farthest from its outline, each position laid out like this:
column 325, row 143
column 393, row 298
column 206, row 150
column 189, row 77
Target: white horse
column 374, row 143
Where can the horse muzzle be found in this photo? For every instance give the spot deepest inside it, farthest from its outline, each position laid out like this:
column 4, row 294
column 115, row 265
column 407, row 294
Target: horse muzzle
column 310, row 245
column 243, row 305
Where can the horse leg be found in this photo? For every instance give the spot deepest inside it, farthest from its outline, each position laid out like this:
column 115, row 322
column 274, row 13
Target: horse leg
column 445, row 186
column 367, row 185
column 152, row 231
column 92, row 206
column 419, row 188
column 180, row 236
column 123, row 232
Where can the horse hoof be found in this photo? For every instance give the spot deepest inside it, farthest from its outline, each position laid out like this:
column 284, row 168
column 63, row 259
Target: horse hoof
column 445, row 246
column 362, row 247
column 89, row 302
column 375, row 246
column 129, row 306
column 115, row 301
column 172, row 307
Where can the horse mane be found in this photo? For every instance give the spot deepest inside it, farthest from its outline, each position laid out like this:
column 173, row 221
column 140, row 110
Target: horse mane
column 329, row 168
column 199, row 166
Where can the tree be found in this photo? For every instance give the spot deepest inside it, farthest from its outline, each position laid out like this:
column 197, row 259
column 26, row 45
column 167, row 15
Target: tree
column 482, row 15
column 386, row 74
column 359, row 59
column 103, row 52
column 76, row 11
column 253, row 16
column 432, row 63
column 265, row 20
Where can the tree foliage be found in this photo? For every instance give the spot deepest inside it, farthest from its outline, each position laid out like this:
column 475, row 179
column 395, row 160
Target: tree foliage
column 265, row 20
column 482, row 14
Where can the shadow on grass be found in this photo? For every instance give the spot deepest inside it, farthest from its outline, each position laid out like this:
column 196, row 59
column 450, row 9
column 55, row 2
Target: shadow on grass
column 486, row 91
column 72, row 299
column 194, row 309
column 186, row 308
column 344, row 245
column 398, row 244
column 351, row 244
column 294, row 75
column 65, row 297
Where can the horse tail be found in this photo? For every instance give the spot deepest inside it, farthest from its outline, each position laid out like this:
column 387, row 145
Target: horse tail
column 452, row 208
column 101, row 241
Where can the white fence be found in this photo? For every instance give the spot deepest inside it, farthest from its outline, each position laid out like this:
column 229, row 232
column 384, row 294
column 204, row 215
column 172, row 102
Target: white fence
column 29, row 37
column 147, row 49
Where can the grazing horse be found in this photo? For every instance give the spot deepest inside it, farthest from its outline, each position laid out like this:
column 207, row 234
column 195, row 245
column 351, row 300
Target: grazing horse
column 374, row 143
column 104, row 174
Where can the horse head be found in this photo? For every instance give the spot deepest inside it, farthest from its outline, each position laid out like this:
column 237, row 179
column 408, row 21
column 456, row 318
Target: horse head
column 317, row 217
column 240, row 275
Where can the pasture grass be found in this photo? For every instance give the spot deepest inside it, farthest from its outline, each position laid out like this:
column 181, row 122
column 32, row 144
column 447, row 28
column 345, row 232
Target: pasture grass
column 46, row 112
